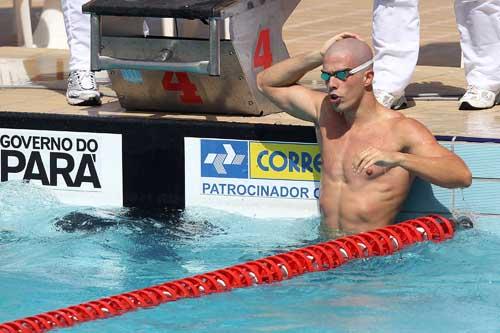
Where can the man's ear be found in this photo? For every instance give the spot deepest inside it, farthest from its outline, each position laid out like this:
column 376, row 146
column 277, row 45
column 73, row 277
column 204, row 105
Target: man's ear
column 368, row 78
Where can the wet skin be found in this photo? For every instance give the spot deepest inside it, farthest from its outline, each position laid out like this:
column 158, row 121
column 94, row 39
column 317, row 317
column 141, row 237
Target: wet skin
column 352, row 201
column 370, row 154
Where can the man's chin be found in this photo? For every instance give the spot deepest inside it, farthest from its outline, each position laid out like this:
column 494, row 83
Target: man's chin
column 337, row 107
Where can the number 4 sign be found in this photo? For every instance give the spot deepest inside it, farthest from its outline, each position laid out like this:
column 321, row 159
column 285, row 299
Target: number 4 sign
column 263, row 56
column 184, row 85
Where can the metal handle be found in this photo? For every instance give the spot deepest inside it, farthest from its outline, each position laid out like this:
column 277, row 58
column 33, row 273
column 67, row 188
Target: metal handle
column 214, row 63
column 210, row 67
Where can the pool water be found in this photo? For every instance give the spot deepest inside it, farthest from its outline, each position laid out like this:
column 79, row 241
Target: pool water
column 53, row 255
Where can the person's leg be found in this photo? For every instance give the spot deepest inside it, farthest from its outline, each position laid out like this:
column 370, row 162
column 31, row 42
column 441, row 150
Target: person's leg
column 396, row 38
column 479, row 25
column 82, row 88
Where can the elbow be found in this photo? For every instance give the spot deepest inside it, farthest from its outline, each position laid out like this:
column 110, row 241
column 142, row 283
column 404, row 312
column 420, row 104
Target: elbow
column 260, row 82
column 464, row 176
column 467, row 179
column 464, row 180
column 263, row 83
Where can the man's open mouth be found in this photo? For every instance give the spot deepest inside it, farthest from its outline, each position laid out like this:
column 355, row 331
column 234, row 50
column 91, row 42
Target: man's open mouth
column 334, row 98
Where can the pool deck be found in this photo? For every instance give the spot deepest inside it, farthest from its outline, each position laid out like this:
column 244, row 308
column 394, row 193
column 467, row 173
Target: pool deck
column 438, row 72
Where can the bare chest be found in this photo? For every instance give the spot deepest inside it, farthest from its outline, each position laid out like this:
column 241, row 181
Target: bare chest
column 341, row 149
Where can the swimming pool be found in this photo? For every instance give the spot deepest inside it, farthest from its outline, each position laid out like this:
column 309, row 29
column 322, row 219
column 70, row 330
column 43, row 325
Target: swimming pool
column 54, row 255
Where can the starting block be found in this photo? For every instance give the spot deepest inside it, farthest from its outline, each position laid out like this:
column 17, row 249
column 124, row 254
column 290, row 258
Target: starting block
column 192, row 75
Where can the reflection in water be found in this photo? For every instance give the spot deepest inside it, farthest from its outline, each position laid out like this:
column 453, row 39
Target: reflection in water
column 81, row 221
column 167, row 224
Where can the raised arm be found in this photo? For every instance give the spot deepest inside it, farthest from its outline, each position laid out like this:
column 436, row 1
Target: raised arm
column 423, row 156
column 279, row 83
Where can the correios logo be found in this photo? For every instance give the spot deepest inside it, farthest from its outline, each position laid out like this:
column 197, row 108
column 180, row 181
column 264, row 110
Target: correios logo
column 51, row 160
column 260, row 160
column 228, row 158
column 224, row 158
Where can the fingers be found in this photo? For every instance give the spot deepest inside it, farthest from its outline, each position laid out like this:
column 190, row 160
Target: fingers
column 347, row 34
column 357, row 160
column 365, row 159
column 372, row 156
column 342, row 35
column 327, row 45
column 367, row 162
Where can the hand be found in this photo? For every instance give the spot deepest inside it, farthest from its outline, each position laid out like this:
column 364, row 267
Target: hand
column 335, row 38
column 373, row 156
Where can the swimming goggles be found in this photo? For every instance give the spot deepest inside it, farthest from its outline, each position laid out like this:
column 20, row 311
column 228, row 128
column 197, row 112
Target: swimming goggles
column 345, row 73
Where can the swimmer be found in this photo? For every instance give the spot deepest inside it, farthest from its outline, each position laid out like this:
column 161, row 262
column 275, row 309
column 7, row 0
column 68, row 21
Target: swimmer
column 370, row 154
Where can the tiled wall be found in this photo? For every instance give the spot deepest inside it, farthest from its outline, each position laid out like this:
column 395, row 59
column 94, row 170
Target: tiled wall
column 481, row 199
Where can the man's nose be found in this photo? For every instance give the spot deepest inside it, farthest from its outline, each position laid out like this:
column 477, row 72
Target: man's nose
column 333, row 83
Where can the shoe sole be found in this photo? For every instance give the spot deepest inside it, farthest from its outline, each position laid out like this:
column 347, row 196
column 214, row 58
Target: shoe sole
column 466, row 106
column 84, row 99
column 93, row 101
column 402, row 104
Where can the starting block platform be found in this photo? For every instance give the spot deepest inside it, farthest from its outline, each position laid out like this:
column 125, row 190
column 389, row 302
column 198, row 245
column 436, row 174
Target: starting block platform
column 192, row 75
column 189, row 9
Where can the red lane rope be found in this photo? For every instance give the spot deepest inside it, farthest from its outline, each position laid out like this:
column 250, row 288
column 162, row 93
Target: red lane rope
column 319, row 257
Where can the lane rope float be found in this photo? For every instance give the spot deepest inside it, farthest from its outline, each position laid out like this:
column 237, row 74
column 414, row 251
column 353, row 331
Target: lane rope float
column 319, row 257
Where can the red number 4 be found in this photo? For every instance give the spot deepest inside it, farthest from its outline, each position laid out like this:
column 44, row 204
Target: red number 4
column 183, row 85
column 263, row 56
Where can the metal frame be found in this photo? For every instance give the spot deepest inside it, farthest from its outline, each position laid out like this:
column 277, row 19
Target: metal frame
column 210, row 67
column 222, row 73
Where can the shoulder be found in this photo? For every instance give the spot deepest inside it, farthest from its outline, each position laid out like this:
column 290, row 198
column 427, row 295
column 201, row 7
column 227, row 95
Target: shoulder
column 408, row 125
column 411, row 132
column 400, row 124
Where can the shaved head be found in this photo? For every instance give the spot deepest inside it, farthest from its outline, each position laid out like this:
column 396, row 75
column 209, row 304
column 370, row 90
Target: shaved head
column 346, row 94
column 353, row 50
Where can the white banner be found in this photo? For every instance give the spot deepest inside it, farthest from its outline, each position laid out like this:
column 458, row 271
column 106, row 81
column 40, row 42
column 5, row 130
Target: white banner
column 255, row 178
column 79, row 168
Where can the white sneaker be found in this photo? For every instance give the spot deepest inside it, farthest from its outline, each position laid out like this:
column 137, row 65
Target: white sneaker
column 82, row 89
column 476, row 99
column 390, row 101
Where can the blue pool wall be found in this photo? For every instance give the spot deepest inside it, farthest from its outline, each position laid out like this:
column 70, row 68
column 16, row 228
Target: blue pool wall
column 481, row 200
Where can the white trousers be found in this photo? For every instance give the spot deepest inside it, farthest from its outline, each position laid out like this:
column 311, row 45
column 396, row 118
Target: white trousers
column 78, row 32
column 396, row 42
